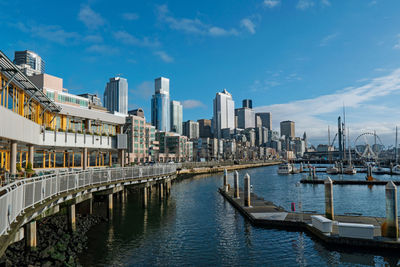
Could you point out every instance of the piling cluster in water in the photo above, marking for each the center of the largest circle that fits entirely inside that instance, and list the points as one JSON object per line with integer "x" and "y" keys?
{"x": 57, "y": 245}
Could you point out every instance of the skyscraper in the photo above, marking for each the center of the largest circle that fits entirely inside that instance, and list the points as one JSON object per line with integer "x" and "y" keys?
{"x": 191, "y": 129}
{"x": 205, "y": 128}
{"x": 266, "y": 120}
{"x": 116, "y": 95}
{"x": 287, "y": 129}
{"x": 245, "y": 118}
{"x": 176, "y": 117}
{"x": 247, "y": 103}
{"x": 160, "y": 105}
{"x": 29, "y": 62}
{"x": 224, "y": 112}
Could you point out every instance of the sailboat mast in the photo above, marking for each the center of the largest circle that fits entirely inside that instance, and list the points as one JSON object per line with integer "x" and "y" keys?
{"x": 329, "y": 144}
{"x": 395, "y": 149}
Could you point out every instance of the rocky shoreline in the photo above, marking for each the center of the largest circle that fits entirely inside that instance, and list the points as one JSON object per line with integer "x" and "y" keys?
{"x": 56, "y": 244}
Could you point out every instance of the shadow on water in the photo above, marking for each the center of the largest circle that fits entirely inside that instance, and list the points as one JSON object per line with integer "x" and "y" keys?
{"x": 196, "y": 226}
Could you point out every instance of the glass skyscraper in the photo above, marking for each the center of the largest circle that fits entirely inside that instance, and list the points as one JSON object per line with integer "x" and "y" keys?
{"x": 224, "y": 113}
{"x": 176, "y": 117}
{"x": 160, "y": 105}
{"x": 116, "y": 95}
{"x": 29, "y": 62}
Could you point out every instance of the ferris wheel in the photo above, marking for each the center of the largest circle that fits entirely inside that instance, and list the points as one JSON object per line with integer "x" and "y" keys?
{"x": 368, "y": 145}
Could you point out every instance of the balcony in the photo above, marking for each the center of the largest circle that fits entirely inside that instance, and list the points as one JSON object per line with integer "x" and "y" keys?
{"x": 66, "y": 139}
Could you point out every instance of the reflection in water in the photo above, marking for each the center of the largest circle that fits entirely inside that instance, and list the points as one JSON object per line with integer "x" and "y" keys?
{"x": 196, "y": 226}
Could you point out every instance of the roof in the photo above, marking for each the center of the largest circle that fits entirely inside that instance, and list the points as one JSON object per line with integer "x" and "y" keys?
{"x": 13, "y": 73}
{"x": 92, "y": 114}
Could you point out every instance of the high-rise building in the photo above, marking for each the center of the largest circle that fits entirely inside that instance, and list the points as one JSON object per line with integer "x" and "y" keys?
{"x": 205, "y": 128}
{"x": 160, "y": 105}
{"x": 266, "y": 120}
{"x": 287, "y": 129}
{"x": 176, "y": 116}
{"x": 191, "y": 129}
{"x": 29, "y": 62}
{"x": 245, "y": 118}
{"x": 116, "y": 95}
{"x": 247, "y": 103}
{"x": 224, "y": 112}
{"x": 93, "y": 98}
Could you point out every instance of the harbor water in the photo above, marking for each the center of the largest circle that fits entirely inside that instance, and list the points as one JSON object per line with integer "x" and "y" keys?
{"x": 195, "y": 226}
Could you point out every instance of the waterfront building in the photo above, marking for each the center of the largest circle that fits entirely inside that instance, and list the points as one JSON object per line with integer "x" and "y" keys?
{"x": 43, "y": 125}
{"x": 174, "y": 147}
{"x": 94, "y": 99}
{"x": 287, "y": 129}
{"x": 205, "y": 128}
{"x": 266, "y": 120}
{"x": 245, "y": 118}
{"x": 224, "y": 112}
{"x": 29, "y": 62}
{"x": 247, "y": 103}
{"x": 191, "y": 129}
{"x": 160, "y": 105}
{"x": 142, "y": 146}
{"x": 116, "y": 95}
{"x": 176, "y": 116}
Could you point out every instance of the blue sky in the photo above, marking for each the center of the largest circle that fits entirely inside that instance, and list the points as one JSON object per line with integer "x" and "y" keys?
{"x": 300, "y": 59}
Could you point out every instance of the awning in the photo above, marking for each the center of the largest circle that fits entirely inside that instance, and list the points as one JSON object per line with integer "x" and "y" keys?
{"x": 16, "y": 76}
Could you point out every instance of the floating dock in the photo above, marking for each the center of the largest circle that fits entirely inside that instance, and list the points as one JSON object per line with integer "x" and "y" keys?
{"x": 266, "y": 214}
{"x": 348, "y": 182}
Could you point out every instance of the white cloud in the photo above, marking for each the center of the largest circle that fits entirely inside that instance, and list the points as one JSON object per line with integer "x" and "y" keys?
{"x": 53, "y": 33}
{"x": 90, "y": 18}
{"x": 130, "y": 16}
{"x": 191, "y": 26}
{"x": 315, "y": 114}
{"x": 164, "y": 56}
{"x": 397, "y": 45}
{"x": 191, "y": 103}
{"x": 94, "y": 38}
{"x": 129, "y": 39}
{"x": 248, "y": 25}
{"x": 327, "y": 39}
{"x": 304, "y": 4}
{"x": 325, "y": 2}
{"x": 271, "y": 3}
{"x": 102, "y": 49}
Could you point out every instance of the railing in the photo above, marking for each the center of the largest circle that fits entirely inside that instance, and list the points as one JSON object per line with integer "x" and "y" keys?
{"x": 20, "y": 195}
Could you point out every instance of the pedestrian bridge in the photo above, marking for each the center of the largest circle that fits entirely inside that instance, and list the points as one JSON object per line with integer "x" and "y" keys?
{"x": 24, "y": 200}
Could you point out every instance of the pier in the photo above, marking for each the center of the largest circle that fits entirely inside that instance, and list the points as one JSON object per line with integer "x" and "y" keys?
{"x": 264, "y": 213}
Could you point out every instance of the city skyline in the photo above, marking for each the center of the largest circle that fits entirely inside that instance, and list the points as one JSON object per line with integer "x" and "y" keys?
{"x": 300, "y": 81}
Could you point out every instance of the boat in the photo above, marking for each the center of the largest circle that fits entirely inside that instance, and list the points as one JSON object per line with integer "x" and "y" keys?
{"x": 285, "y": 168}
{"x": 332, "y": 170}
{"x": 396, "y": 170}
{"x": 295, "y": 170}
{"x": 349, "y": 170}
{"x": 379, "y": 170}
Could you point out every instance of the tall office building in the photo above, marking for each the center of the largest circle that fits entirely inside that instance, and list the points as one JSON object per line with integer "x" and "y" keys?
{"x": 176, "y": 116}
{"x": 191, "y": 129}
{"x": 287, "y": 129}
{"x": 29, "y": 62}
{"x": 245, "y": 118}
{"x": 205, "y": 128}
{"x": 116, "y": 95}
{"x": 160, "y": 105}
{"x": 247, "y": 103}
{"x": 224, "y": 112}
{"x": 266, "y": 120}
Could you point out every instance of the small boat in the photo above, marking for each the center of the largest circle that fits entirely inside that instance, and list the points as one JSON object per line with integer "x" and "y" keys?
{"x": 285, "y": 168}
{"x": 294, "y": 169}
{"x": 349, "y": 170}
{"x": 396, "y": 170}
{"x": 379, "y": 170}
{"x": 332, "y": 170}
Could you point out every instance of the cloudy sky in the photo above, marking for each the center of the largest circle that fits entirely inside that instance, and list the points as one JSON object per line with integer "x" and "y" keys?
{"x": 302, "y": 60}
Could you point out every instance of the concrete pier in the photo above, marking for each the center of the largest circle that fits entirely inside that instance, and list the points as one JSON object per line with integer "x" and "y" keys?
{"x": 236, "y": 184}
{"x": 391, "y": 226}
{"x": 30, "y": 235}
{"x": 329, "y": 199}
{"x": 161, "y": 191}
{"x": 91, "y": 205}
{"x": 144, "y": 196}
{"x": 226, "y": 180}
{"x": 71, "y": 218}
{"x": 247, "y": 202}
{"x": 110, "y": 206}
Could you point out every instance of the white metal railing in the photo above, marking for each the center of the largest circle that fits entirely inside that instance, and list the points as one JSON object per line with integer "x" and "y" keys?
{"x": 20, "y": 195}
